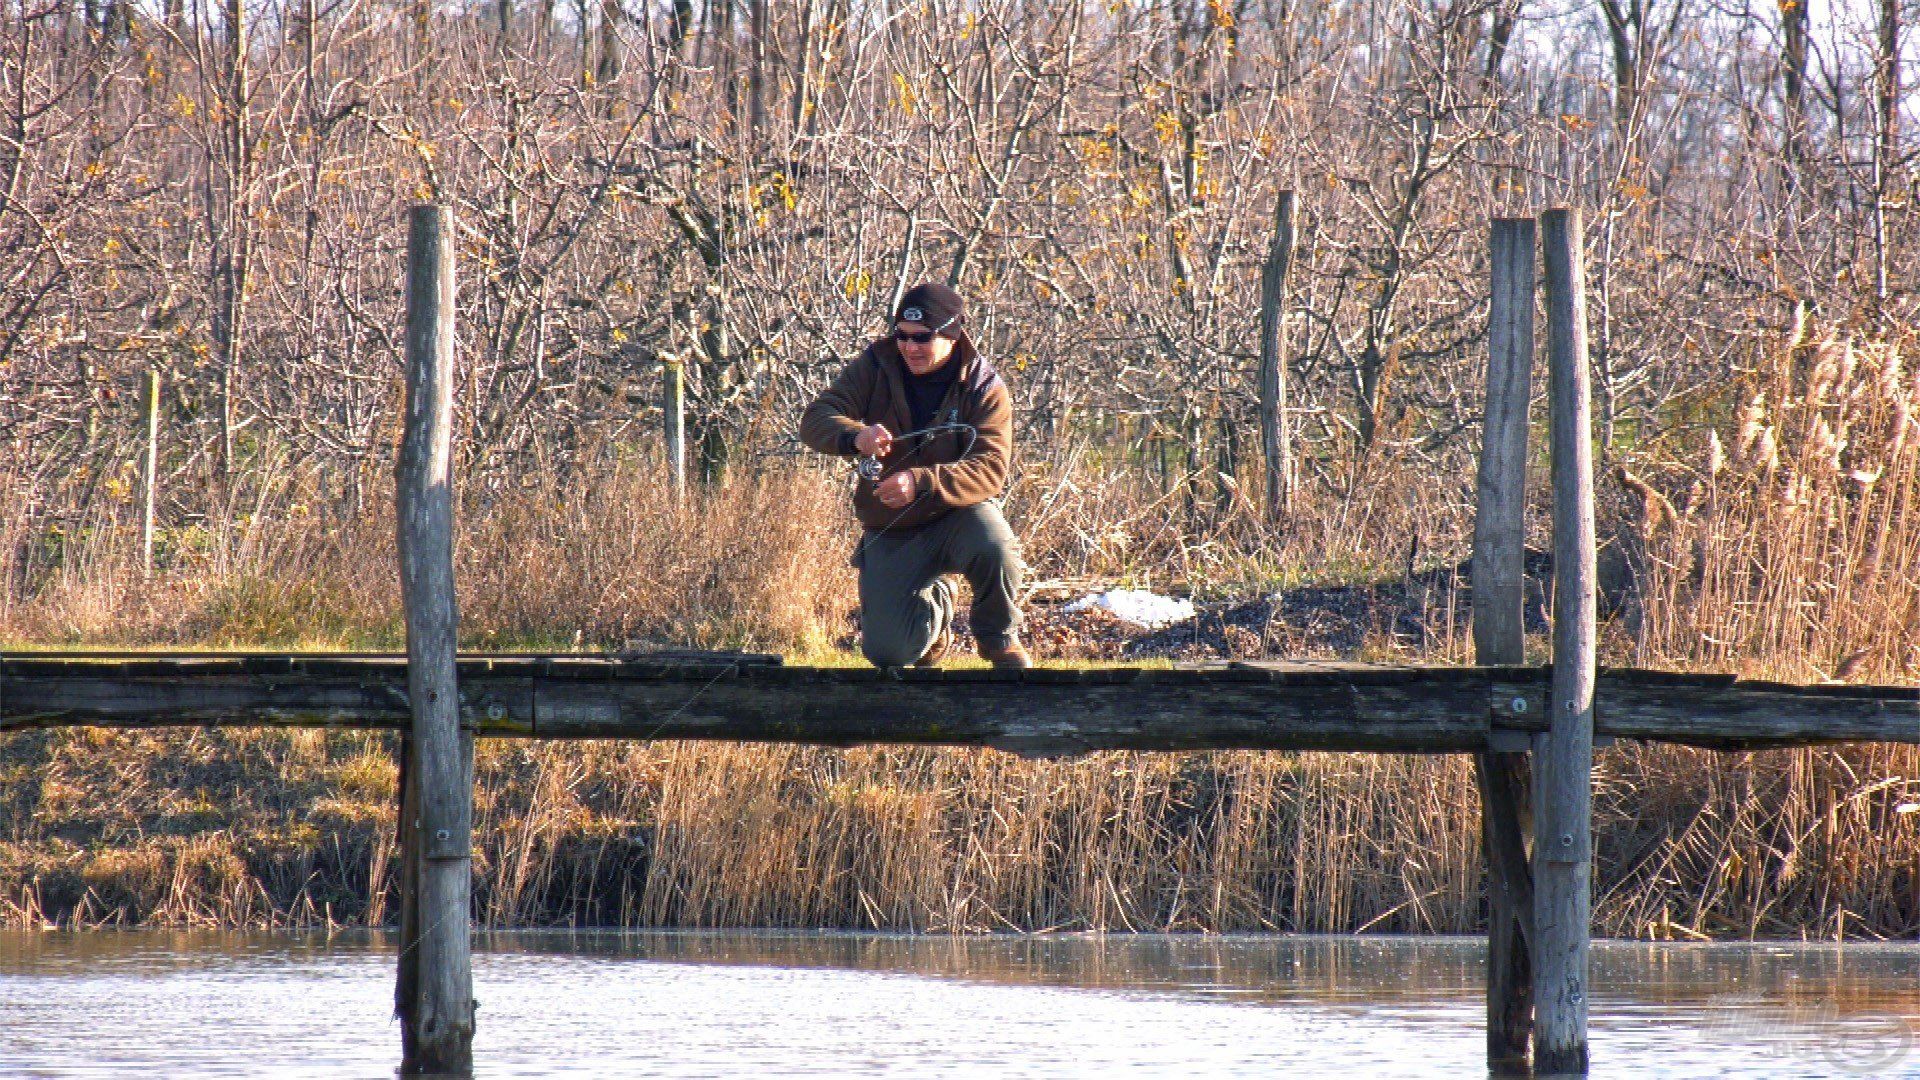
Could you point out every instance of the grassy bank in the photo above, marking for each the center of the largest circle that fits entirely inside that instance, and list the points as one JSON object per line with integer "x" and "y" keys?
{"x": 1781, "y": 541}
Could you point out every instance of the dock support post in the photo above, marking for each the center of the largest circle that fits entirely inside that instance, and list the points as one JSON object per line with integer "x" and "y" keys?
{"x": 1563, "y": 799}
{"x": 434, "y": 991}
{"x": 1499, "y": 638}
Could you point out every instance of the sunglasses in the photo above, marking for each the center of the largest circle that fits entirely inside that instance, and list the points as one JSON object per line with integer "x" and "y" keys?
{"x": 921, "y": 338}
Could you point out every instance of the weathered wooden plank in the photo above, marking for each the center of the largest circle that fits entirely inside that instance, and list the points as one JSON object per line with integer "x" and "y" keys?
{"x": 1673, "y": 678}
{"x": 1563, "y": 757}
{"x": 434, "y": 994}
{"x": 1319, "y": 672}
{"x": 1723, "y": 714}
{"x": 1499, "y": 534}
{"x": 183, "y": 665}
{"x": 714, "y": 656}
{"x": 1140, "y": 709}
{"x": 499, "y": 706}
{"x": 1842, "y": 691}
{"x": 1504, "y": 778}
{"x": 142, "y": 700}
{"x": 1440, "y": 715}
{"x": 1720, "y": 713}
{"x": 161, "y": 662}
{"x": 1751, "y": 715}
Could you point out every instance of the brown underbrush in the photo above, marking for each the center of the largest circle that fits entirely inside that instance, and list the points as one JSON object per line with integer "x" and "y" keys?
{"x": 1773, "y": 534}
{"x": 261, "y": 828}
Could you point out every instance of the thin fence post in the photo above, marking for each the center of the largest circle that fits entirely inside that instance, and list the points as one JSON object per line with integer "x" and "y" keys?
{"x": 1276, "y": 442}
{"x": 673, "y": 404}
{"x": 150, "y": 400}
{"x": 1499, "y": 639}
{"x": 434, "y": 990}
{"x": 1563, "y": 799}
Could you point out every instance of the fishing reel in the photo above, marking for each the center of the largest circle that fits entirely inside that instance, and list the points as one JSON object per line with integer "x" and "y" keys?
{"x": 870, "y": 469}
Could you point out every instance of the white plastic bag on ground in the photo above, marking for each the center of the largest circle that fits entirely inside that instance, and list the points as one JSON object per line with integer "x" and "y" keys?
{"x": 1148, "y": 609}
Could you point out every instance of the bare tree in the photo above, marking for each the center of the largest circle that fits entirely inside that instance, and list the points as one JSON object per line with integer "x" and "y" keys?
{"x": 745, "y": 185}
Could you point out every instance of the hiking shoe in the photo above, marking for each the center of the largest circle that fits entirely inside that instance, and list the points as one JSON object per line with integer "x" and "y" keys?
{"x": 1009, "y": 656}
{"x": 937, "y": 651}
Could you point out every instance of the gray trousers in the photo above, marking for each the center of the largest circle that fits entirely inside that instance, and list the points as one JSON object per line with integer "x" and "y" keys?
{"x": 906, "y": 602}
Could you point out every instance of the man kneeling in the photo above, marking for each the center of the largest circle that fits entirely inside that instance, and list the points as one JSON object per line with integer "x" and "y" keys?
{"x": 934, "y": 424}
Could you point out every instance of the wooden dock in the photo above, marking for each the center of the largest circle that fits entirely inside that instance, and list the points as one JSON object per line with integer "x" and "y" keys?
{"x": 1532, "y": 729}
{"x": 1044, "y": 712}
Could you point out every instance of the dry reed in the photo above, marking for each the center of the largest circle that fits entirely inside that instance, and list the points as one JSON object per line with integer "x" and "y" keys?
{"x": 1783, "y": 541}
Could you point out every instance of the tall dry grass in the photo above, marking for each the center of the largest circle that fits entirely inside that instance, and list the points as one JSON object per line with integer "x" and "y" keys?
{"x": 1102, "y": 504}
{"x": 1779, "y": 540}
{"x": 1789, "y": 545}
{"x": 1793, "y": 550}
{"x": 602, "y": 559}
{"x": 945, "y": 840}
{"x": 273, "y": 828}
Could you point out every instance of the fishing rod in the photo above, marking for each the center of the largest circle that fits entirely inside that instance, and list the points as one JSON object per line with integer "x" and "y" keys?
{"x": 869, "y": 466}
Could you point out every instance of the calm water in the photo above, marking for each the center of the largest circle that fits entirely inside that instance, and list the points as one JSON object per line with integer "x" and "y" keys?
{"x": 164, "y": 1004}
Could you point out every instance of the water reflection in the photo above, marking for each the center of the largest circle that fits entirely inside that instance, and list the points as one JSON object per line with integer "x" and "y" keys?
{"x": 1254, "y": 968}
{"x": 730, "y": 1003}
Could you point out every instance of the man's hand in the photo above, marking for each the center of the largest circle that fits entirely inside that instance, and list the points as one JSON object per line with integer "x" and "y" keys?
{"x": 874, "y": 440}
{"x": 896, "y": 491}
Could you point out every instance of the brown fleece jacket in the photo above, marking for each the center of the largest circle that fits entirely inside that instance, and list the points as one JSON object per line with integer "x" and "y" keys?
{"x": 947, "y": 473}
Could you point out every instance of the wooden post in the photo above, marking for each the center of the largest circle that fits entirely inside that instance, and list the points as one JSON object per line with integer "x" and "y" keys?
{"x": 434, "y": 992}
{"x": 151, "y": 402}
{"x": 1563, "y": 799}
{"x": 1499, "y": 638}
{"x": 1276, "y": 442}
{"x": 673, "y": 403}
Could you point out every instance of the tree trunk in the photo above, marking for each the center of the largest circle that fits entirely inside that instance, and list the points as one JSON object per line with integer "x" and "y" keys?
{"x": 681, "y": 25}
{"x": 609, "y": 66}
{"x": 757, "y": 70}
{"x": 1505, "y": 18}
{"x": 232, "y": 253}
{"x": 1623, "y": 31}
{"x": 1276, "y": 441}
{"x": 1793, "y": 75}
{"x": 1886, "y": 141}
{"x": 803, "y": 74}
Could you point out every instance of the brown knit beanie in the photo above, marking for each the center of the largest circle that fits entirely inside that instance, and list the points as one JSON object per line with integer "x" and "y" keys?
{"x": 934, "y": 306}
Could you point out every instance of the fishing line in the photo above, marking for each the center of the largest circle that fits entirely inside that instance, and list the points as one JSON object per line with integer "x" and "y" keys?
{"x": 870, "y": 468}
